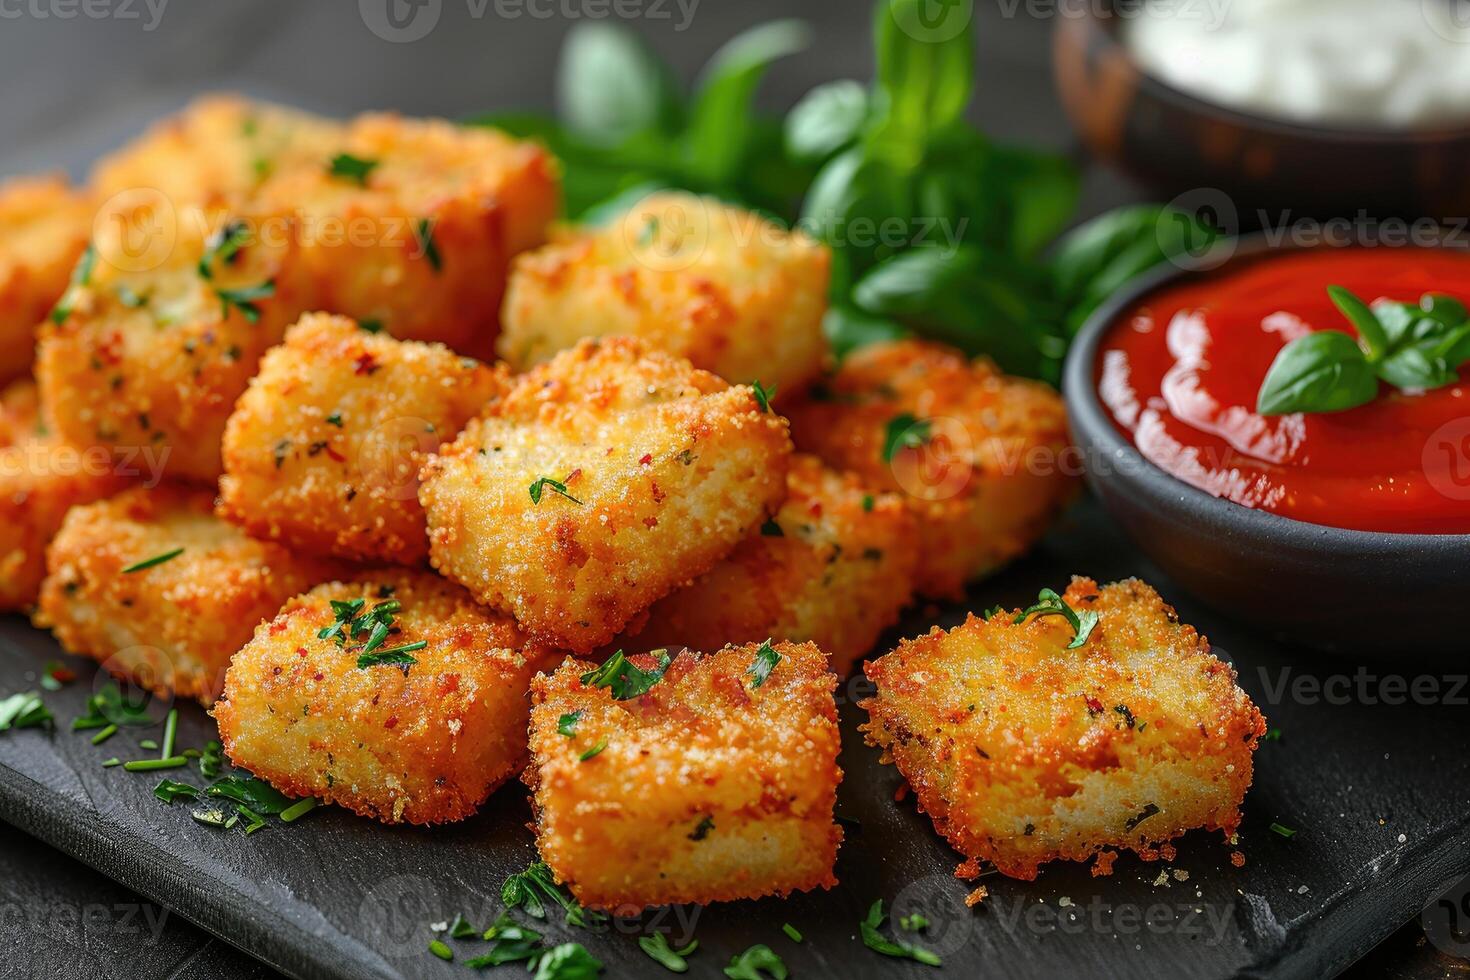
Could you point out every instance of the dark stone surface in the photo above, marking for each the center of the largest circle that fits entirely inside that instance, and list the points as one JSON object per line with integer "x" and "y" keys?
{"x": 337, "y": 896}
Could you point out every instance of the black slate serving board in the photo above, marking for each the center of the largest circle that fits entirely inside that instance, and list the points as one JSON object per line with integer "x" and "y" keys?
{"x": 1378, "y": 792}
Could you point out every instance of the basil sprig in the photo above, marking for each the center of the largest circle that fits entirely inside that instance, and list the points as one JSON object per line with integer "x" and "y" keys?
{"x": 1411, "y": 347}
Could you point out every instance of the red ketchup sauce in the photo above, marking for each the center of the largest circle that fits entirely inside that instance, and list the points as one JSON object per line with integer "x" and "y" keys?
{"x": 1180, "y": 373}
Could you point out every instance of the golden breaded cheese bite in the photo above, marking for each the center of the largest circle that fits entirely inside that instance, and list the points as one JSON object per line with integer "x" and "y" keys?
{"x": 1025, "y": 750}
{"x": 44, "y": 226}
{"x": 324, "y": 449}
{"x": 430, "y": 215}
{"x": 155, "y": 587}
{"x": 835, "y": 566}
{"x": 41, "y": 478}
{"x": 138, "y": 355}
{"x": 733, "y": 292}
{"x": 980, "y": 456}
{"x": 419, "y": 728}
{"x": 217, "y": 152}
{"x": 600, "y": 482}
{"x": 701, "y": 777}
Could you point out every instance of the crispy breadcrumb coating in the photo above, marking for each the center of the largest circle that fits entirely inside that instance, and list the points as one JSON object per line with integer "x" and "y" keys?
{"x": 835, "y": 566}
{"x": 599, "y": 483}
{"x": 1023, "y": 751}
{"x": 418, "y": 743}
{"x": 41, "y": 478}
{"x": 323, "y": 450}
{"x": 709, "y": 787}
{"x": 171, "y": 627}
{"x": 985, "y": 465}
{"x": 731, "y": 291}
{"x": 44, "y": 226}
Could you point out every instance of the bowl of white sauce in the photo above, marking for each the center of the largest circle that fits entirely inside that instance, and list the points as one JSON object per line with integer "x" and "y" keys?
{"x": 1278, "y": 108}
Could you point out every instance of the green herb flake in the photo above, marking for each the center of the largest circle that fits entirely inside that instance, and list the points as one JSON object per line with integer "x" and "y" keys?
{"x": 370, "y": 326}
{"x": 1272, "y": 735}
{"x": 245, "y": 299}
{"x": 514, "y": 943}
{"x": 868, "y": 502}
{"x": 568, "y": 961}
{"x": 170, "y": 790}
{"x": 299, "y": 809}
{"x": 875, "y": 940}
{"x": 153, "y": 562}
{"x": 223, "y": 248}
{"x": 396, "y": 656}
{"x": 567, "y": 723}
{"x": 110, "y": 763}
{"x": 81, "y": 277}
{"x": 350, "y": 168}
{"x": 624, "y": 679}
{"x": 150, "y": 744}
{"x": 423, "y": 233}
{"x": 335, "y": 419}
{"x": 442, "y": 951}
{"x": 170, "y": 733}
{"x": 542, "y": 484}
{"x": 153, "y": 765}
{"x": 1048, "y": 603}
{"x": 701, "y": 830}
{"x": 1283, "y": 830}
{"x": 913, "y": 923}
{"x": 25, "y": 710}
{"x": 460, "y": 928}
{"x": 759, "y": 962}
{"x": 595, "y": 751}
{"x": 763, "y": 395}
{"x": 531, "y": 889}
{"x": 792, "y": 933}
{"x": 766, "y": 659}
{"x": 904, "y": 432}
{"x": 658, "y": 949}
{"x": 770, "y": 529}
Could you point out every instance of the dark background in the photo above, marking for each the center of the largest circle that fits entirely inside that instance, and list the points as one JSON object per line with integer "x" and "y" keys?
{"x": 77, "y": 86}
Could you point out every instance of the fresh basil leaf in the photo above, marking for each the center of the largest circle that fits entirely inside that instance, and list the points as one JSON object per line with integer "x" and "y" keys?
{"x": 1325, "y": 371}
{"x": 848, "y": 328}
{"x": 1403, "y": 322}
{"x": 1454, "y": 347}
{"x": 720, "y": 119}
{"x": 1370, "y": 331}
{"x": 1412, "y": 368}
{"x": 1041, "y": 191}
{"x": 850, "y": 193}
{"x": 925, "y": 80}
{"x": 1446, "y": 309}
{"x": 611, "y": 86}
{"x": 826, "y": 120}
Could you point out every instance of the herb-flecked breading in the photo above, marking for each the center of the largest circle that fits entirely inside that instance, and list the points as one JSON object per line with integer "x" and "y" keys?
{"x": 324, "y": 448}
{"x": 707, "y": 788}
{"x": 1024, "y": 751}
{"x": 417, "y": 742}
{"x": 664, "y": 470}
{"x": 172, "y": 626}
{"x": 980, "y": 457}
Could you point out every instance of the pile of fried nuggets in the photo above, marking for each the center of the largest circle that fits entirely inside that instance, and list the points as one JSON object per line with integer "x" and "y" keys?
{"x": 624, "y": 480}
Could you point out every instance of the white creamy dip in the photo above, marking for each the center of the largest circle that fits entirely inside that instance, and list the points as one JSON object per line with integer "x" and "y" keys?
{"x": 1364, "y": 63}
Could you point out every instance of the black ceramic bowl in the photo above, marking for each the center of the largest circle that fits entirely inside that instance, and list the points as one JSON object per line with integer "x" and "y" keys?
{"x": 1179, "y": 143}
{"x": 1374, "y": 594}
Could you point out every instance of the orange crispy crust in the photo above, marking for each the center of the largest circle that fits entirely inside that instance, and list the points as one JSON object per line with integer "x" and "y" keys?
{"x": 670, "y": 468}
{"x": 837, "y": 574}
{"x": 707, "y": 790}
{"x": 998, "y": 728}
{"x": 40, "y": 480}
{"x": 44, "y": 226}
{"x": 424, "y": 746}
{"x": 171, "y": 628}
{"x": 989, "y": 481}
{"x": 324, "y": 448}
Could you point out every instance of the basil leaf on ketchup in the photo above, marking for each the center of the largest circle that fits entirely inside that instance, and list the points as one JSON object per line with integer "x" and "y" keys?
{"x": 1325, "y": 371}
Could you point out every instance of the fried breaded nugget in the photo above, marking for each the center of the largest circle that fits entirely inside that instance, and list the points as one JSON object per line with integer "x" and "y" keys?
{"x": 717, "y": 784}
{"x": 418, "y": 232}
{"x": 835, "y": 567}
{"x": 323, "y": 451}
{"x": 41, "y": 478}
{"x": 598, "y": 484}
{"x": 729, "y": 290}
{"x": 44, "y": 226}
{"x": 980, "y": 457}
{"x": 1024, "y": 751}
{"x": 170, "y": 627}
{"x": 217, "y": 152}
{"x": 421, "y": 742}
{"x": 155, "y": 357}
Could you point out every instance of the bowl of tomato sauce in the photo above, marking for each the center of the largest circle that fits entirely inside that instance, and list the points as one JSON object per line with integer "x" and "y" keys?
{"x": 1346, "y": 529}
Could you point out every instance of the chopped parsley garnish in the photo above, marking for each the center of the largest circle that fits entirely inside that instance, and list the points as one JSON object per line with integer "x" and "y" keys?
{"x": 625, "y": 680}
{"x": 868, "y": 502}
{"x": 370, "y": 326}
{"x": 763, "y": 395}
{"x": 766, "y": 659}
{"x": 533, "y": 888}
{"x": 423, "y": 232}
{"x": 658, "y": 949}
{"x": 153, "y": 562}
{"x": 248, "y": 791}
{"x": 1272, "y": 735}
{"x": 81, "y": 277}
{"x": 904, "y": 432}
{"x": 335, "y": 419}
{"x": 460, "y": 928}
{"x": 875, "y": 940}
{"x": 771, "y": 529}
{"x": 24, "y": 710}
{"x": 211, "y": 759}
{"x": 109, "y": 707}
{"x": 913, "y": 923}
{"x": 791, "y": 931}
{"x": 759, "y": 962}
{"x": 349, "y": 167}
{"x": 168, "y": 791}
{"x": 514, "y": 943}
{"x": 569, "y": 961}
{"x": 995, "y": 610}
{"x": 373, "y": 626}
{"x": 244, "y": 299}
{"x": 596, "y": 750}
{"x": 440, "y": 950}
{"x": 567, "y": 723}
{"x": 223, "y": 247}
{"x": 1283, "y": 830}
{"x": 702, "y": 829}
{"x": 130, "y": 298}
{"x": 547, "y": 483}
{"x": 1048, "y": 603}
{"x": 396, "y": 655}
